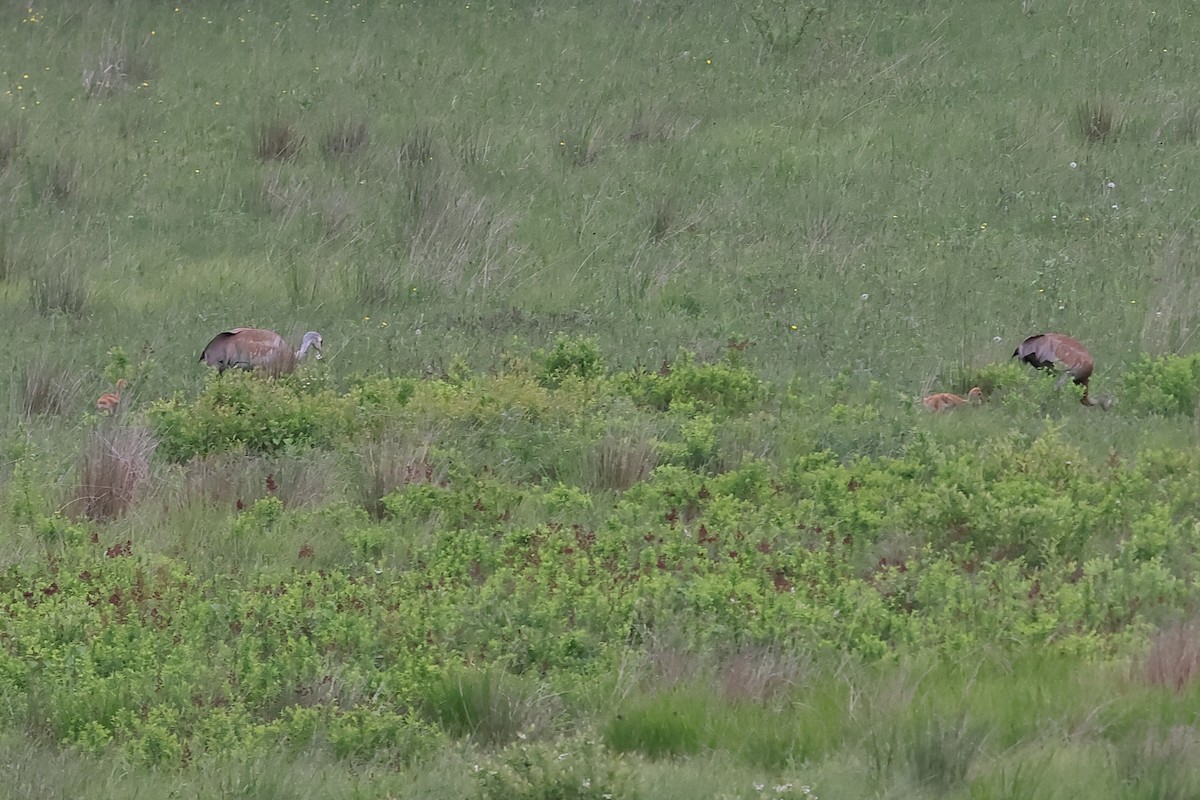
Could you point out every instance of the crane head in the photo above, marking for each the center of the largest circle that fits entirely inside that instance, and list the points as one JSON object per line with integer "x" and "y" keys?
{"x": 313, "y": 340}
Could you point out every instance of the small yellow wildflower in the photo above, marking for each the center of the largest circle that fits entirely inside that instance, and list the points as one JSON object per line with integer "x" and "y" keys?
{"x": 793, "y": 327}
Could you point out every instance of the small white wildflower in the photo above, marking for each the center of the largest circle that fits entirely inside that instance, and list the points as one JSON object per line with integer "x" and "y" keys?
{"x": 758, "y": 787}
{"x": 864, "y": 296}
{"x": 1115, "y": 206}
{"x": 806, "y": 789}
{"x": 996, "y": 340}
{"x": 1054, "y": 216}
{"x": 1062, "y": 308}
{"x": 783, "y": 787}
{"x": 1073, "y": 165}
{"x": 417, "y": 332}
{"x": 1111, "y": 185}
{"x": 587, "y": 783}
{"x": 476, "y": 768}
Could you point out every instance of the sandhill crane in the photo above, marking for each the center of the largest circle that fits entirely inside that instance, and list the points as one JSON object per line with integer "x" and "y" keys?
{"x": 1057, "y": 351}
{"x": 255, "y": 348}
{"x": 947, "y": 401}
{"x": 109, "y": 402}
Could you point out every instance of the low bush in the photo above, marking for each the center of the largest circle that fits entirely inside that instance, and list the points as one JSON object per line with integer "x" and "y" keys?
{"x": 1167, "y": 384}
{"x": 723, "y": 387}
{"x": 242, "y": 411}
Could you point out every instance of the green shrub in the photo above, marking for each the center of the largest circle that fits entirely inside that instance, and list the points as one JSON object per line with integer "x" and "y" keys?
{"x": 570, "y": 357}
{"x": 241, "y": 411}
{"x": 723, "y": 386}
{"x": 380, "y": 734}
{"x": 1168, "y": 384}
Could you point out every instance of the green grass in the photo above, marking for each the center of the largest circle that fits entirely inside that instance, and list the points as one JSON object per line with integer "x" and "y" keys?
{"x": 613, "y": 477}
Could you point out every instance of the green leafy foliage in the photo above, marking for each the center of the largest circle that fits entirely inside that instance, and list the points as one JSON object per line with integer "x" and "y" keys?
{"x": 723, "y": 387}
{"x": 241, "y": 411}
{"x": 570, "y": 357}
{"x": 1167, "y": 384}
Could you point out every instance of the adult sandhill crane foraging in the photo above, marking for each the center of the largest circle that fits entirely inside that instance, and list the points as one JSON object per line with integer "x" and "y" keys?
{"x": 256, "y": 348}
{"x": 948, "y": 401}
{"x": 109, "y": 402}
{"x": 1057, "y": 351}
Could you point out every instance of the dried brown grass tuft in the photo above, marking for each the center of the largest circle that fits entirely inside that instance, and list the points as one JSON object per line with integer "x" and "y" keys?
{"x": 652, "y": 124}
{"x": 392, "y": 462}
{"x": 663, "y": 218}
{"x": 59, "y": 291}
{"x": 758, "y": 675}
{"x": 9, "y": 259}
{"x": 1097, "y": 120}
{"x": 49, "y": 388}
{"x": 223, "y": 480}
{"x": 113, "y": 471}
{"x": 473, "y": 146}
{"x": 346, "y": 139}
{"x": 417, "y": 150}
{"x": 1174, "y": 657}
{"x": 583, "y": 146}
{"x": 61, "y": 181}
{"x": 337, "y": 213}
{"x": 620, "y": 460}
{"x": 284, "y": 197}
{"x": 278, "y": 141}
{"x": 453, "y": 235}
{"x": 1172, "y": 315}
{"x": 10, "y": 143}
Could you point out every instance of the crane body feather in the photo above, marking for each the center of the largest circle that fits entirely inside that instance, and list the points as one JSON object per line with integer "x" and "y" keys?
{"x": 257, "y": 348}
{"x": 1057, "y": 351}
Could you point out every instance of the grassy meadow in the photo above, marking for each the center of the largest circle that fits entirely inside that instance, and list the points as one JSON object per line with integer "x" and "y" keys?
{"x": 613, "y": 480}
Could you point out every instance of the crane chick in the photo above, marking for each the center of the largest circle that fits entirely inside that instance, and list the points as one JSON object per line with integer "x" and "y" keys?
{"x": 1059, "y": 352}
{"x": 109, "y": 402}
{"x": 256, "y": 348}
{"x": 948, "y": 401}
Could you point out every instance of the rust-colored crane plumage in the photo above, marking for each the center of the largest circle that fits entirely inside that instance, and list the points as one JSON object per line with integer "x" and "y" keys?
{"x": 256, "y": 348}
{"x": 948, "y": 401}
{"x": 109, "y": 402}
{"x": 1059, "y": 352}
